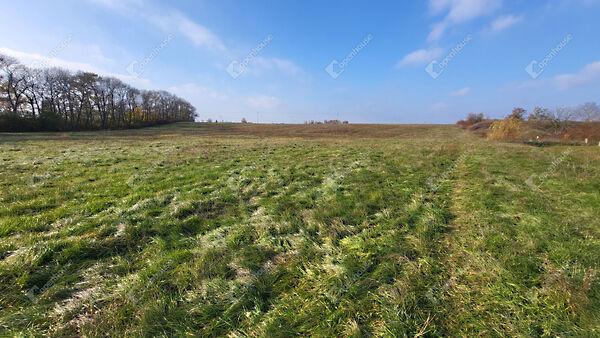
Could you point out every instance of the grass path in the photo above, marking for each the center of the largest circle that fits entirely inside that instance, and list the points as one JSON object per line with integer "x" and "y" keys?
{"x": 524, "y": 260}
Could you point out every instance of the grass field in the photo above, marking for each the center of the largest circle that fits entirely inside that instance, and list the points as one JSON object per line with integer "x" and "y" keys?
{"x": 274, "y": 230}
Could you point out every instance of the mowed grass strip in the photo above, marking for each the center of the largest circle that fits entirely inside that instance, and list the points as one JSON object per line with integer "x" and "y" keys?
{"x": 295, "y": 230}
{"x": 524, "y": 257}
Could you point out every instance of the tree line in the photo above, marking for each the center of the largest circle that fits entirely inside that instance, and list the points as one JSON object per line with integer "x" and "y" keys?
{"x": 33, "y": 99}
{"x": 561, "y": 125}
{"x": 557, "y": 118}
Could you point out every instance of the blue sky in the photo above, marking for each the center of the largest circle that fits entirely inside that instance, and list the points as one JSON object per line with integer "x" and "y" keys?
{"x": 282, "y": 54}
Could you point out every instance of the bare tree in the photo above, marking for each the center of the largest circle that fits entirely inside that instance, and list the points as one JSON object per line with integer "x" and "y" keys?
{"x": 14, "y": 76}
{"x": 83, "y": 100}
{"x": 518, "y": 114}
{"x": 588, "y": 112}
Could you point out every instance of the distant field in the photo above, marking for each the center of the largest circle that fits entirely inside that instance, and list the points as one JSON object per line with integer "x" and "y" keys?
{"x": 278, "y": 230}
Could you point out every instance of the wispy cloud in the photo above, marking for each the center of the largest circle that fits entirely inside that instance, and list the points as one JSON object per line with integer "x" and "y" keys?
{"x": 420, "y": 56}
{"x": 263, "y": 102}
{"x": 198, "y": 91}
{"x": 97, "y": 55}
{"x": 503, "y": 22}
{"x": 168, "y": 20}
{"x": 437, "y": 106}
{"x": 197, "y": 33}
{"x": 172, "y": 21}
{"x": 261, "y": 64}
{"x": 122, "y": 6}
{"x": 437, "y": 30}
{"x": 436, "y": 7}
{"x": 457, "y": 12}
{"x": 589, "y": 74}
{"x": 212, "y": 102}
{"x": 36, "y": 59}
{"x": 461, "y": 92}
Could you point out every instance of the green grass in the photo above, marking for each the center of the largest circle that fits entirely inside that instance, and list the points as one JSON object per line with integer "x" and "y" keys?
{"x": 215, "y": 230}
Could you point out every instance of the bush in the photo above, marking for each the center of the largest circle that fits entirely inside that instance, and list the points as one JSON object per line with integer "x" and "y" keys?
{"x": 545, "y": 120}
{"x": 12, "y": 123}
{"x": 518, "y": 114}
{"x": 506, "y": 130}
{"x": 50, "y": 120}
{"x": 541, "y": 114}
{"x": 472, "y": 119}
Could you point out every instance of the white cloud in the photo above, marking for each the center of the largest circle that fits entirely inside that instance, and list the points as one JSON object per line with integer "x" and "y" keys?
{"x": 263, "y": 102}
{"x": 41, "y": 61}
{"x": 198, "y": 34}
{"x": 118, "y": 3}
{"x": 590, "y": 73}
{"x": 439, "y": 106}
{"x": 213, "y": 103}
{"x": 504, "y": 22}
{"x": 437, "y": 30}
{"x": 420, "y": 56}
{"x": 466, "y": 10}
{"x": 564, "y": 3}
{"x": 438, "y": 6}
{"x": 193, "y": 89}
{"x": 97, "y": 55}
{"x": 457, "y": 12}
{"x": 461, "y": 92}
{"x": 121, "y": 6}
{"x": 260, "y": 64}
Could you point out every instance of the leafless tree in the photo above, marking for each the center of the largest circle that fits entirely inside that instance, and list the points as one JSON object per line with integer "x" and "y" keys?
{"x": 588, "y": 112}
{"x": 14, "y": 78}
{"x": 83, "y": 100}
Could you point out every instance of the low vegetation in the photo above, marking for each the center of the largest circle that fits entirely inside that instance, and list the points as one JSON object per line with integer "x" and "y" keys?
{"x": 510, "y": 128}
{"x": 275, "y": 230}
{"x": 578, "y": 125}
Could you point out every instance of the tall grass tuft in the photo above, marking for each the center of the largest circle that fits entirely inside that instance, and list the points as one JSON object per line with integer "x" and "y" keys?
{"x": 506, "y": 130}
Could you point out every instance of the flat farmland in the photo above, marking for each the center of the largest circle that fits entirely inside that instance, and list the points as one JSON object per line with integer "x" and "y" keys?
{"x": 286, "y": 230}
